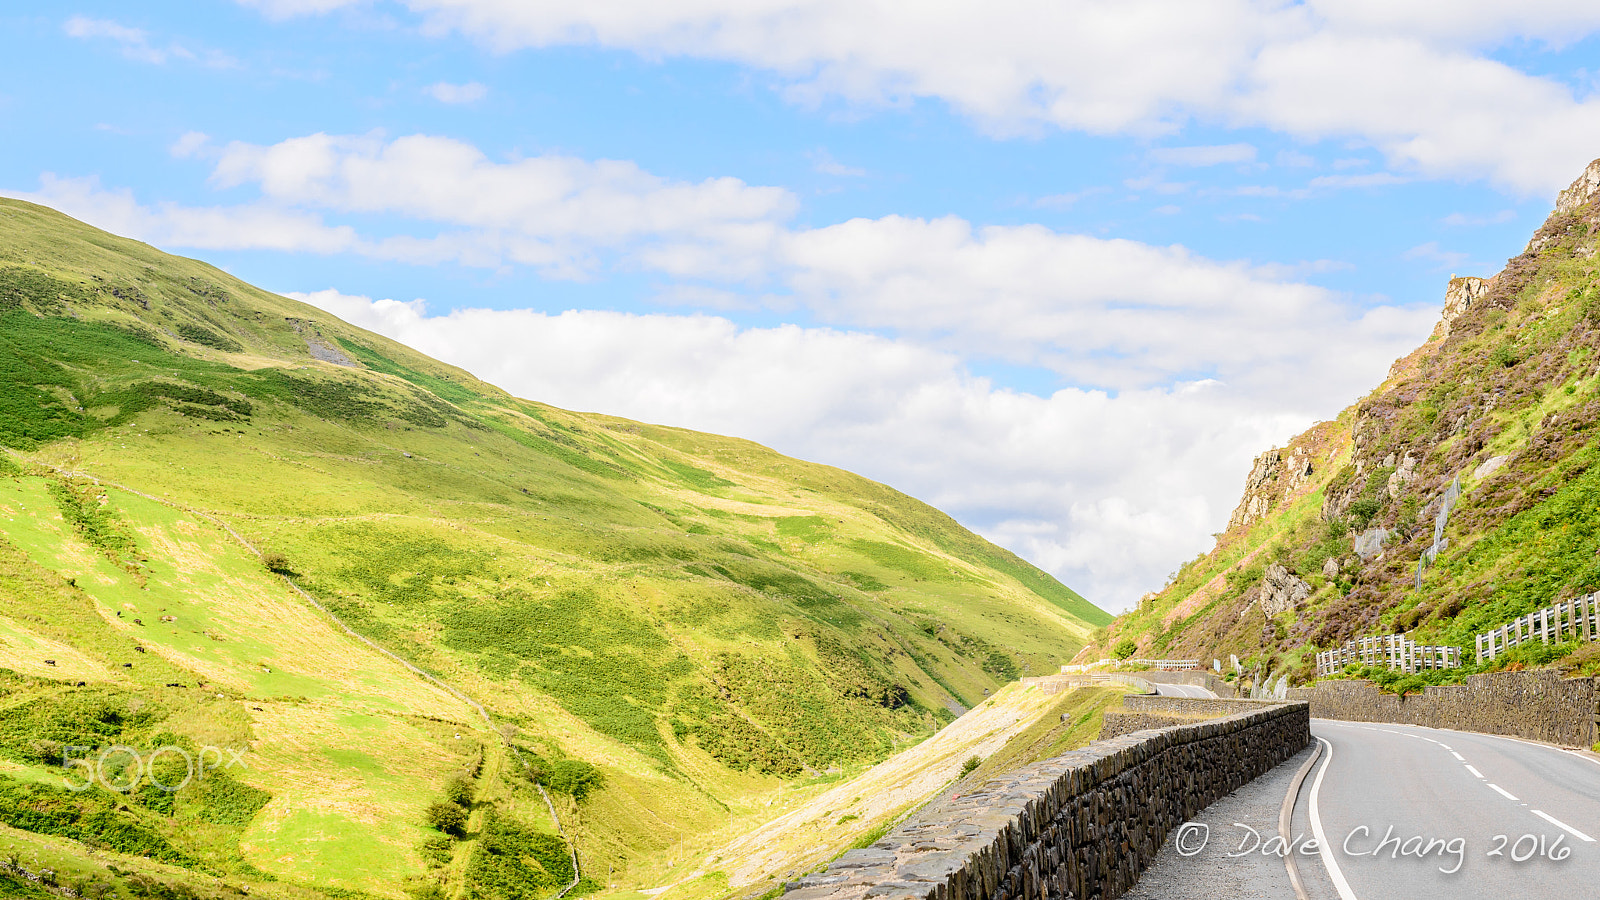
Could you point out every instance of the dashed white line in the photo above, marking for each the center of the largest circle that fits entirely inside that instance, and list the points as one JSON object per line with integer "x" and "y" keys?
{"x": 1502, "y": 791}
{"x": 1458, "y": 756}
{"x": 1562, "y": 825}
{"x": 1474, "y": 771}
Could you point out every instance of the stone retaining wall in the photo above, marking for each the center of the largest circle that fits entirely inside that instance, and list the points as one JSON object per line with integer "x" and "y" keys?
{"x": 1539, "y": 705}
{"x": 1083, "y": 825}
{"x": 1116, "y": 723}
{"x": 1139, "y": 712}
{"x": 1192, "y": 706}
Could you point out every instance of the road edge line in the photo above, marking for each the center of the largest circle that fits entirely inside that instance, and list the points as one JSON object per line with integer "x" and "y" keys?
{"x": 1285, "y": 824}
{"x": 1323, "y": 850}
{"x": 1562, "y": 825}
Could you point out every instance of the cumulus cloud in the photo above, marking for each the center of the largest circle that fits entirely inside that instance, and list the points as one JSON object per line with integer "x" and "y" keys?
{"x": 549, "y": 211}
{"x": 1175, "y": 368}
{"x": 1411, "y": 79}
{"x": 174, "y": 225}
{"x": 1106, "y": 491}
{"x": 1108, "y": 313}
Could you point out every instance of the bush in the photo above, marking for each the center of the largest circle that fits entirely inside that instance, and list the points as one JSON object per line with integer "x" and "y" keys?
{"x": 575, "y": 777}
{"x": 460, "y": 790}
{"x": 277, "y": 562}
{"x": 1124, "y": 649}
{"x": 448, "y": 817}
{"x": 972, "y": 763}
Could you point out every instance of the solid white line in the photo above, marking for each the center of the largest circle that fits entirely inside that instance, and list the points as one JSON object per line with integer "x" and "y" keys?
{"x": 1560, "y": 824}
{"x": 1474, "y": 771}
{"x": 1503, "y": 792}
{"x": 1323, "y": 850}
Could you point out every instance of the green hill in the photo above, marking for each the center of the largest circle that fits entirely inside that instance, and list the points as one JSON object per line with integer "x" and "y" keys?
{"x": 1503, "y": 396}
{"x": 677, "y": 635}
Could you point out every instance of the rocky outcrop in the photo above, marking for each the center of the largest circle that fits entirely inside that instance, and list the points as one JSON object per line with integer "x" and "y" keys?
{"x": 1369, "y": 543}
{"x": 1402, "y": 475}
{"x": 1282, "y": 591}
{"x": 1460, "y": 296}
{"x": 1273, "y": 478}
{"x": 1580, "y": 191}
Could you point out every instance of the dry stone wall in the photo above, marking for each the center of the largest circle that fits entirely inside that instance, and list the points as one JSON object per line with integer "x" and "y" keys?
{"x": 1081, "y": 826}
{"x": 1148, "y": 711}
{"x": 1540, "y": 706}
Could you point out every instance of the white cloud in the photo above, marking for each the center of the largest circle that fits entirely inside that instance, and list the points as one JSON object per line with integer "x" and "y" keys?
{"x": 172, "y": 225}
{"x": 1105, "y": 491}
{"x": 1204, "y": 156}
{"x": 549, "y": 211}
{"x": 1113, "y": 313}
{"x": 445, "y": 92}
{"x": 823, "y": 162}
{"x": 136, "y": 44}
{"x": 1408, "y": 78}
{"x": 188, "y": 145}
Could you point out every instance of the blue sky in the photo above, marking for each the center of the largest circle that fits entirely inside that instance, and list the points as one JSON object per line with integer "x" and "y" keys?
{"x": 1061, "y": 269}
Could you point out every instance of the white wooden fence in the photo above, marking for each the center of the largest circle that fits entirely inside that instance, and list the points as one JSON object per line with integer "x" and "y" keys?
{"x": 1161, "y": 665}
{"x": 1390, "y": 651}
{"x": 1578, "y": 617}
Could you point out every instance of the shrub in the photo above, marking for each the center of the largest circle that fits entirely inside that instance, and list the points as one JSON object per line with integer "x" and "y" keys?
{"x": 460, "y": 790}
{"x": 276, "y": 562}
{"x": 448, "y": 817}
{"x": 1124, "y": 648}
{"x": 575, "y": 777}
{"x": 972, "y": 763}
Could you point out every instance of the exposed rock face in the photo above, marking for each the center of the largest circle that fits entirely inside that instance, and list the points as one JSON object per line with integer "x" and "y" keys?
{"x": 1459, "y": 297}
{"x": 1369, "y": 543}
{"x": 1402, "y": 475}
{"x": 1489, "y": 467}
{"x": 1272, "y": 478}
{"x": 1282, "y": 590}
{"x": 1330, "y": 569}
{"x": 1580, "y": 191}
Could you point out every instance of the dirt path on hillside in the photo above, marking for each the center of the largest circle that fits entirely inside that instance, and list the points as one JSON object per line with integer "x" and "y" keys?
{"x": 827, "y": 824}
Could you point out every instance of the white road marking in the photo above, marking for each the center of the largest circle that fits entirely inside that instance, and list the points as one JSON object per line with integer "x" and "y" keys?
{"x": 1458, "y": 756}
{"x": 1474, "y": 771}
{"x": 1323, "y": 848}
{"x": 1564, "y": 826}
{"x": 1503, "y": 792}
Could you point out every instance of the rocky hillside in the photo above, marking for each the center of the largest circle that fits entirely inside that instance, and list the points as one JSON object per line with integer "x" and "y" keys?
{"x": 676, "y": 636}
{"x": 1334, "y": 528}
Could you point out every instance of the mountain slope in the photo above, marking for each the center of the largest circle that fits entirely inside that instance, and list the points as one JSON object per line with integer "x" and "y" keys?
{"x": 670, "y": 626}
{"x": 1326, "y": 543}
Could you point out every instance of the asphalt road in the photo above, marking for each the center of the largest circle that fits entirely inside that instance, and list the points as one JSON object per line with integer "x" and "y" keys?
{"x": 1182, "y": 690}
{"x": 1403, "y": 811}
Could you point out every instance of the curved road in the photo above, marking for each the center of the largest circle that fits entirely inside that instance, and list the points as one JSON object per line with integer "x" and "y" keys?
{"x": 1182, "y": 690}
{"x": 1405, "y": 811}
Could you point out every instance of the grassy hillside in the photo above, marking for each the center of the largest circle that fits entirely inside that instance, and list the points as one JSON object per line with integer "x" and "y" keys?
{"x": 672, "y": 633}
{"x": 1505, "y": 397}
